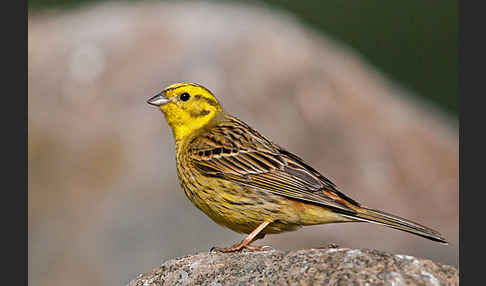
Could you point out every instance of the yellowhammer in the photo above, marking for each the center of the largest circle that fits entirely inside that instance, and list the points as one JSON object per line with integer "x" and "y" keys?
{"x": 245, "y": 182}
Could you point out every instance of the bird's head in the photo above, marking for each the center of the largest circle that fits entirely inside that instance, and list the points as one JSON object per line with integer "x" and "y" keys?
{"x": 187, "y": 107}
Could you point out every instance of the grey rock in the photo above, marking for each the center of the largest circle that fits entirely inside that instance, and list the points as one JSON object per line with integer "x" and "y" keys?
{"x": 334, "y": 266}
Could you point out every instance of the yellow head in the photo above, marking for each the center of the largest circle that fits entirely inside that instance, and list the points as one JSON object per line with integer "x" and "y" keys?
{"x": 187, "y": 107}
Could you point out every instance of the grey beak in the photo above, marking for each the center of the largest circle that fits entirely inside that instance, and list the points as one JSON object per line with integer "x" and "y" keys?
{"x": 158, "y": 100}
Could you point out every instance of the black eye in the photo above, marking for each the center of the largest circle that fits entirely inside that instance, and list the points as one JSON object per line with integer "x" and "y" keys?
{"x": 185, "y": 96}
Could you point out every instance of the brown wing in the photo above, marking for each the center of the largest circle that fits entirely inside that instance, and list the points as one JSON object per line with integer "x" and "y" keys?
{"x": 234, "y": 151}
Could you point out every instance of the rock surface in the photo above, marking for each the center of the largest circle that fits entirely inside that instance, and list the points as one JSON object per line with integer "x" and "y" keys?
{"x": 335, "y": 266}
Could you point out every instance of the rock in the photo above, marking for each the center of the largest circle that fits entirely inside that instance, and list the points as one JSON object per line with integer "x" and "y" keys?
{"x": 337, "y": 266}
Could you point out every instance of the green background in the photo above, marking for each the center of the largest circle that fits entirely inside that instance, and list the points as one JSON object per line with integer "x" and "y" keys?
{"x": 414, "y": 42}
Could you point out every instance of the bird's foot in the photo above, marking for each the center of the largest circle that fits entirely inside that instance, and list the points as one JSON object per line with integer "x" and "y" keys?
{"x": 239, "y": 247}
{"x": 258, "y": 248}
{"x": 329, "y": 246}
{"x": 245, "y": 243}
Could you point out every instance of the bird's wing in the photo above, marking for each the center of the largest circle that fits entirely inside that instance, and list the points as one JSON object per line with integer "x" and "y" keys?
{"x": 233, "y": 151}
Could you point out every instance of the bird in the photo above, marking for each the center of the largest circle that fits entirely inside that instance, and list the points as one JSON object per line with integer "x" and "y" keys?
{"x": 249, "y": 184}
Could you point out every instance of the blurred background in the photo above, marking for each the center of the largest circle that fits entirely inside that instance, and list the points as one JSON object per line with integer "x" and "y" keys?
{"x": 364, "y": 91}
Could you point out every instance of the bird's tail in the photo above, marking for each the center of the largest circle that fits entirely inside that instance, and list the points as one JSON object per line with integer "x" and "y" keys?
{"x": 389, "y": 220}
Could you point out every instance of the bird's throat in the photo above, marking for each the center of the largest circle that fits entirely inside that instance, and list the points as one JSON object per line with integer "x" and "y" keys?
{"x": 185, "y": 130}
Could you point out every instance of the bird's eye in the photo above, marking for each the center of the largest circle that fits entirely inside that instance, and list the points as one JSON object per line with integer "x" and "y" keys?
{"x": 185, "y": 96}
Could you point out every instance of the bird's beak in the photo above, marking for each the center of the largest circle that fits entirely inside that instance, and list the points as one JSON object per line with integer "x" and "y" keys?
{"x": 159, "y": 99}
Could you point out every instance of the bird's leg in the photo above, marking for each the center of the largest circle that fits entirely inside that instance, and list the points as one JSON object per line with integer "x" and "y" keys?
{"x": 245, "y": 243}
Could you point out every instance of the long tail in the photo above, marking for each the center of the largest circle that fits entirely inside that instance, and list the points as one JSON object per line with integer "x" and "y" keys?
{"x": 389, "y": 220}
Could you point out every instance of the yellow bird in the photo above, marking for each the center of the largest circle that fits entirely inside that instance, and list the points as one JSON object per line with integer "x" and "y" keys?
{"x": 247, "y": 183}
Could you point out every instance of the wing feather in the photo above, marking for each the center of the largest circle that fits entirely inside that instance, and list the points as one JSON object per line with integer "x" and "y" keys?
{"x": 233, "y": 151}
